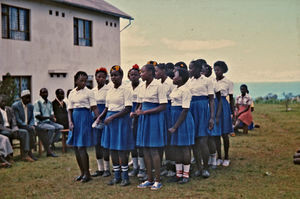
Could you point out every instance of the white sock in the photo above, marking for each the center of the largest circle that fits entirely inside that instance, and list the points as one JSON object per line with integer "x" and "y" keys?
{"x": 179, "y": 170}
{"x": 186, "y": 171}
{"x": 135, "y": 163}
{"x": 214, "y": 159}
{"x": 100, "y": 164}
{"x": 141, "y": 162}
{"x": 106, "y": 165}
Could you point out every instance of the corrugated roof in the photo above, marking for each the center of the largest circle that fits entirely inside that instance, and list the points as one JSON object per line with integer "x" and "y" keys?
{"x": 96, "y": 5}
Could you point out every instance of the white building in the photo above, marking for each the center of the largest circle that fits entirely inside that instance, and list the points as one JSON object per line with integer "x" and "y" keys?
{"x": 45, "y": 42}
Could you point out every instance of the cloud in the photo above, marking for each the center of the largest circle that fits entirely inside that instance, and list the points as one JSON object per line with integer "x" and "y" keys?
{"x": 194, "y": 45}
{"x": 133, "y": 37}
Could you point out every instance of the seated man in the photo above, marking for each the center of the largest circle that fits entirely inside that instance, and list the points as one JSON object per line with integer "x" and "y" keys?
{"x": 48, "y": 130}
{"x": 5, "y": 151}
{"x": 9, "y": 128}
{"x": 60, "y": 108}
{"x": 23, "y": 110}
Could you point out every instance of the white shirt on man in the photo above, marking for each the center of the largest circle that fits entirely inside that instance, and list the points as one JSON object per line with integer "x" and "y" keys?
{"x": 83, "y": 98}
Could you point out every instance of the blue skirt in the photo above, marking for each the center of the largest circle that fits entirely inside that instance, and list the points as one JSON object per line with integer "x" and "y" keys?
{"x": 152, "y": 129}
{"x": 134, "y": 104}
{"x": 98, "y": 132}
{"x": 225, "y": 120}
{"x": 82, "y": 134}
{"x": 201, "y": 114}
{"x": 185, "y": 134}
{"x": 117, "y": 134}
{"x": 216, "y": 131}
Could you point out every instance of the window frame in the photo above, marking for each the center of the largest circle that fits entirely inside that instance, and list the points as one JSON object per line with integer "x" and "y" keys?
{"x": 76, "y": 31}
{"x": 8, "y": 21}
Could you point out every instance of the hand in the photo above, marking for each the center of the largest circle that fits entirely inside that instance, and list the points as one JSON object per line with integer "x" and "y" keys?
{"x": 71, "y": 126}
{"x": 108, "y": 120}
{"x": 211, "y": 124}
{"x": 133, "y": 114}
{"x": 172, "y": 130}
{"x": 139, "y": 112}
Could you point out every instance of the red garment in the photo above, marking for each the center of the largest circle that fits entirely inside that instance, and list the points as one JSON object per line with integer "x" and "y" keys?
{"x": 245, "y": 117}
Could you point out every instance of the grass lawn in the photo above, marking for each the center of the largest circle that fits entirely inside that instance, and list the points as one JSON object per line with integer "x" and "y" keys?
{"x": 261, "y": 167}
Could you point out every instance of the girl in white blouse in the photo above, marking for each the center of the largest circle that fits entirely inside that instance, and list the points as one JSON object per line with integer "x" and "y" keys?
{"x": 182, "y": 126}
{"x": 117, "y": 136}
{"x": 137, "y": 153}
{"x": 81, "y": 134}
{"x": 202, "y": 108}
{"x": 151, "y": 133}
{"x": 100, "y": 94}
{"x": 226, "y": 88}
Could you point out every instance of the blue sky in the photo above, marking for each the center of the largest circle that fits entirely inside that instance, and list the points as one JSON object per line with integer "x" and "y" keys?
{"x": 258, "y": 39}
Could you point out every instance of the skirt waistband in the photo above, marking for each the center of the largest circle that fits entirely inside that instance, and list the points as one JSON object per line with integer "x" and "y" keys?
{"x": 176, "y": 108}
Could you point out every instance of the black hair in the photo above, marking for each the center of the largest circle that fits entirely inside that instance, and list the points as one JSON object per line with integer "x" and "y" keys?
{"x": 199, "y": 63}
{"x": 42, "y": 89}
{"x": 181, "y": 64}
{"x": 169, "y": 70}
{"x": 162, "y": 66}
{"x": 68, "y": 92}
{"x": 209, "y": 69}
{"x": 57, "y": 91}
{"x": 80, "y": 73}
{"x": 246, "y": 87}
{"x": 184, "y": 74}
{"x": 154, "y": 63}
{"x": 101, "y": 70}
{"x": 117, "y": 68}
{"x": 150, "y": 67}
{"x": 222, "y": 65}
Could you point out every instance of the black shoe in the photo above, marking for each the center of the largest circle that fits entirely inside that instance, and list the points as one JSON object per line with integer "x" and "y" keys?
{"x": 173, "y": 179}
{"x": 125, "y": 182}
{"x": 52, "y": 155}
{"x": 78, "y": 178}
{"x": 86, "y": 179}
{"x": 184, "y": 180}
{"x": 114, "y": 181}
{"x": 198, "y": 173}
{"x": 97, "y": 173}
{"x": 106, "y": 173}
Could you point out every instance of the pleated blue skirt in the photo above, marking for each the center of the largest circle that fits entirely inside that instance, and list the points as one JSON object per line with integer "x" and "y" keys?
{"x": 82, "y": 134}
{"x": 117, "y": 135}
{"x": 134, "y": 104}
{"x": 200, "y": 112}
{"x": 185, "y": 134}
{"x": 98, "y": 132}
{"x": 216, "y": 131}
{"x": 225, "y": 120}
{"x": 152, "y": 129}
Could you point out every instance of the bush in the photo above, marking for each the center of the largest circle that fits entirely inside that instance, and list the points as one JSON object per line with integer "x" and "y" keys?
{"x": 8, "y": 88}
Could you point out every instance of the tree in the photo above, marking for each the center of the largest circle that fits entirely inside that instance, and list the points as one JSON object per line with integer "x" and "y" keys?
{"x": 287, "y": 99}
{"x": 8, "y": 88}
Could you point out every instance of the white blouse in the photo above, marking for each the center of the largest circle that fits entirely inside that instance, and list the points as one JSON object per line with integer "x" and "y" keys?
{"x": 100, "y": 94}
{"x": 83, "y": 98}
{"x": 181, "y": 97}
{"x": 225, "y": 86}
{"x": 201, "y": 86}
{"x": 246, "y": 100}
{"x": 154, "y": 93}
{"x": 168, "y": 86}
{"x": 135, "y": 92}
{"x": 118, "y": 98}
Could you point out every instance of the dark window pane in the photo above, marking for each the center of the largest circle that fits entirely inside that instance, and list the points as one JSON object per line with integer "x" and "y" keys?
{"x": 80, "y": 29}
{"x": 4, "y": 27}
{"x": 13, "y": 18}
{"x": 87, "y": 29}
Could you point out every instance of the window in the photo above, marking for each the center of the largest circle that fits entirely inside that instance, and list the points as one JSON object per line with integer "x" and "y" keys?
{"x": 82, "y": 32}
{"x": 50, "y": 12}
{"x": 15, "y": 23}
{"x": 22, "y": 83}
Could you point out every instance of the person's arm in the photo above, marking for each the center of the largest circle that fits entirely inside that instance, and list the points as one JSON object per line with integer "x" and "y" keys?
{"x": 71, "y": 125}
{"x": 212, "y": 112}
{"x": 17, "y": 115}
{"x": 157, "y": 109}
{"x": 125, "y": 111}
{"x": 95, "y": 110}
{"x": 219, "y": 108}
{"x": 179, "y": 121}
{"x": 244, "y": 111}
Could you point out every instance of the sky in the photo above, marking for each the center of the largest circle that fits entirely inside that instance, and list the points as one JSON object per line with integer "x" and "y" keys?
{"x": 258, "y": 39}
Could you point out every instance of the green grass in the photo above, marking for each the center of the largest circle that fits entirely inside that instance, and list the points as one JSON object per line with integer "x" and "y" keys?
{"x": 268, "y": 149}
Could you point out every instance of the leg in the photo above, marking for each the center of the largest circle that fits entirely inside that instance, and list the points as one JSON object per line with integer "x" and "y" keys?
{"x": 134, "y": 155}
{"x": 197, "y": 156}
{"x": 218, "y": 147}
{"x": 57, "y": 132}
{"x": 23, "y": 136}
{"x": 226, "y": 146}
{"x": 79, "y": 162}
{"x": 205, "y": 155}
{"x": 116, "y": 167}
{"x": 99, "y": 157}
{"x": 123, "y": 156}
{"x": 186, "y": 159}
{"x": 148, "y": 162}
{"x": 156, "y": 160}
{"x": 85, "y": 164}
{"x": 212, "y": 151}
{"x": 45, "y": 133}
{"x": 245, "y": 128}
{"x": 141, "y": 163}
{"x": 106, "y": 163}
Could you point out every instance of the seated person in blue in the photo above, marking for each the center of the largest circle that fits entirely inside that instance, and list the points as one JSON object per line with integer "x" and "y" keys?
{"x": 23, "y": 111}
{"x": 45, "y": 121}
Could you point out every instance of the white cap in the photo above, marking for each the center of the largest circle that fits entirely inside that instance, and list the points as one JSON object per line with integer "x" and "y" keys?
{"x": 25, "y": 92}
